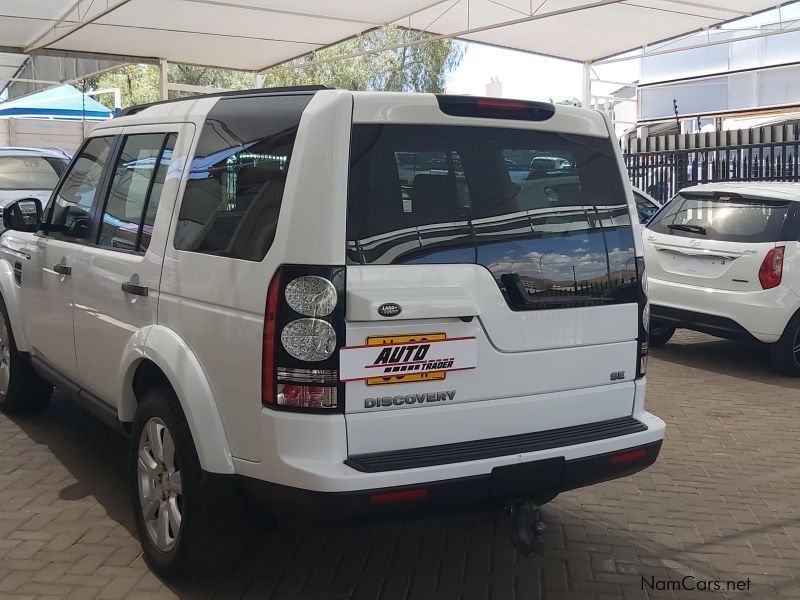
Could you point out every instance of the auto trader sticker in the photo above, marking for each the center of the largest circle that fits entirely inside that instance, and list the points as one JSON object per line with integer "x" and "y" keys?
{"x": 365, "y": 362}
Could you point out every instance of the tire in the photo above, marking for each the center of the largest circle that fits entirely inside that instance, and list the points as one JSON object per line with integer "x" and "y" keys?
{"x": 785, "y": 353}
{"x": 22, "y": 390}
{"x": 208, "y": 535}
{"x": 660, "y": 334}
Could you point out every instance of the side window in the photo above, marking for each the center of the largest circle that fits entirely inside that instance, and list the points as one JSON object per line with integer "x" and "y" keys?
{"x": 235, "y": 188}
{"x": 130, "y": 208}
{"x": 69, "y": 213}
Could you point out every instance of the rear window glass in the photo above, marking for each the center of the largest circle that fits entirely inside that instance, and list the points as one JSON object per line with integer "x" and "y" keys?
{"x": 722, "y": 218}
{"x": 30, "y": 172}
{"x": 233, "y": 196}
{"x": 546, "y": 213}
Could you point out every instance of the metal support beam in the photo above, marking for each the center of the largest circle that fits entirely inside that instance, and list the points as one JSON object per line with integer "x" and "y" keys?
{"x": 163, "y": 79}
{"x": 195, "y": 89}
{"x": 586, "y": 88}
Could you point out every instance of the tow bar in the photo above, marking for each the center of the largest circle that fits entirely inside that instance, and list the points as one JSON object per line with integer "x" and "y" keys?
{"x": 527, "y": 527}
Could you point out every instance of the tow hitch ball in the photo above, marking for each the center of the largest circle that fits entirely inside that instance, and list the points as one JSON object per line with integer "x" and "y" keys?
{"x": 527, "y": 527}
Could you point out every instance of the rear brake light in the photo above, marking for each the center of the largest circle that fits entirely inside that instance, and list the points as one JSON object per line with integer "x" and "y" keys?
{"x": 771, "y": 270}
{"x": 644, "y": 320}
{"x": 303, "y": 331}
{"x": 629, "y": 456}
{"x": 403, "y": 496}
{"x": 495, "y": 108}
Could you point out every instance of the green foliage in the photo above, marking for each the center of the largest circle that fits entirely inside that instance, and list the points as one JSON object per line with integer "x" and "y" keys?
{"x": 418, "y": 68}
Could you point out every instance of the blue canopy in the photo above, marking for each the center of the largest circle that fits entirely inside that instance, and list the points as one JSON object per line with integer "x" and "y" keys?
{"x": 62, "y": 102}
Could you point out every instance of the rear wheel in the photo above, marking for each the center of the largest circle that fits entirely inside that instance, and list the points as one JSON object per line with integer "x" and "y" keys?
{"x": 187, "y": 527}
{"x": 660, "y": 333}
{"x": 22, "y": 390}
{"x": 785, "y": 353}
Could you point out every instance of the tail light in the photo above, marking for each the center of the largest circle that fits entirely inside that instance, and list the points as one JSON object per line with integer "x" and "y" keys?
{"x": 644, "y": 319}
{"x": 771, "y": 270}
{"x": 303, "y": 331}
{"x": 495, "y": 108}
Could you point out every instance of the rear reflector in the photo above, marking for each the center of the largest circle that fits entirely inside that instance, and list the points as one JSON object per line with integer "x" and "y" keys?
{"x": 268, "y": 348}
{"x": 495, "y": 108}
{"x": 629, "y": 456}
{"x": 404, "y": 496}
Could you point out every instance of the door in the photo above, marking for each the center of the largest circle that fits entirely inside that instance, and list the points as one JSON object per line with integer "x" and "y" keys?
{"x": 714, "y": 240}
{"x": 117, "y": 275}
{"x": 532, "y": 276}
{"x": 47, "y": 279}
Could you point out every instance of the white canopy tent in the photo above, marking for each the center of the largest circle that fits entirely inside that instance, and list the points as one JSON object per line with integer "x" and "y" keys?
{"x": 254, "y": 35}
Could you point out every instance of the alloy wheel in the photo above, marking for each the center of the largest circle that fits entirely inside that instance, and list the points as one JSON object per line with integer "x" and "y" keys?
{"x": 160, "y": 486}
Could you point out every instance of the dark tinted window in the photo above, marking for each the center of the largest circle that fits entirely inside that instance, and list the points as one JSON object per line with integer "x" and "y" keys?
{"x": 234, "y": 192}
{"x": 30, "y": 172}
{"x": 69, "y": 213}
{"x": 721, "y": 217}
{"x": 644, "y": 207}
{"x": 135, "y": 191}
{"x": 546, "y": 213}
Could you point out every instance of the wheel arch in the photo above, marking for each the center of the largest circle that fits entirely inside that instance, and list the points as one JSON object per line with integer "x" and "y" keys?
{"x": 156, "y": 355}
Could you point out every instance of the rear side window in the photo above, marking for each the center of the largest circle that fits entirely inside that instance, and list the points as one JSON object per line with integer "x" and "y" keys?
{"x": 233, "y": 196}
{"x": 722, "y": 217}
{"x": 129, "y": 212}
{"x": 545, "y": 212}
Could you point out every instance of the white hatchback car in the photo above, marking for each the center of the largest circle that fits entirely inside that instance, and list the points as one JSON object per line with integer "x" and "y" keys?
{"x": 723, "y": 259}
{"x": 338, "y": 302}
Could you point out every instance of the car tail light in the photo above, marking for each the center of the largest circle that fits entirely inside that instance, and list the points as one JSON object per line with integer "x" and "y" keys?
{"x": 495, "y": 108}
{"x": 644, "y": 319}
{"x": 771, "y": 270}
{"x": 303, "y": 331}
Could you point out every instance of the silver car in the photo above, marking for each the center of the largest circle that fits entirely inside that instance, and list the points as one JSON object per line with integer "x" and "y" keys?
{"x": 30, "y": 173}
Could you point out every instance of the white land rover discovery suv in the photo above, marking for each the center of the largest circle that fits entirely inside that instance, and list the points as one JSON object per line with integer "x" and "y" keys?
{"x": 338, "y": 302}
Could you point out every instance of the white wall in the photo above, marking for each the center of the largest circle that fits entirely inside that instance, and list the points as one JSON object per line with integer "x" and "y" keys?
{"x": 44, "y": 133}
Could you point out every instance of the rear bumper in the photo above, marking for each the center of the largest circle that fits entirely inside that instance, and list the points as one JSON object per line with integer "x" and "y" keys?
{"x": 539, "y": 481}
{"x": 761, "y": 315}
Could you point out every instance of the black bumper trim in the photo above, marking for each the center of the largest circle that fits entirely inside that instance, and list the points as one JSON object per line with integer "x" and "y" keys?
{"x": 430, "y": 456}
{"x": 711, "y": 324}
{"x": 451, "y": 494}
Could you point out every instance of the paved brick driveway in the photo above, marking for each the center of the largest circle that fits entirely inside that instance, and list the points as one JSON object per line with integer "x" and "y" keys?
{"x": 722, "y": 503}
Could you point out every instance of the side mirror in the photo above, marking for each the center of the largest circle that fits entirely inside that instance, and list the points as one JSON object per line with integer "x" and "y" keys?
{"x": 23, "y": 215}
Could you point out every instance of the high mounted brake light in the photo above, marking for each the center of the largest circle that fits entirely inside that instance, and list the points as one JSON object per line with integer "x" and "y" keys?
{"x": 495, "y": 108}
{"x": 303, "y": 331}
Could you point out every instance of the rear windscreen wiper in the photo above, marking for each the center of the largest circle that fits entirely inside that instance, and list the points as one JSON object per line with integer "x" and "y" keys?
{"x": 689, "y": 228}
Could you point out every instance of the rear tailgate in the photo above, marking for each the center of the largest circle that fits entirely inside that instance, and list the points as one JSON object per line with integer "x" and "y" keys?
{"x": 715, "y": 239}
{"x": 532, "y": 278}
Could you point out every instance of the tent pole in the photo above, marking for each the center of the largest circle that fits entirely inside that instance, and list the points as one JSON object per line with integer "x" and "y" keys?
{"x": 586, "y": 95}
{"x": 163, "y": 79}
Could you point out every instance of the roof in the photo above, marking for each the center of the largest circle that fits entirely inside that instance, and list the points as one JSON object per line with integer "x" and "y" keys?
{"x": 21, "y": 150}
{"x": 255, "y": 34}
{"x": 782, "y": 190}
{"x": 63, "y": 102}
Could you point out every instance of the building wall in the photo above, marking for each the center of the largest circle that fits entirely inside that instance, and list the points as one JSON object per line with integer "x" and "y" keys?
{"x": 44, "y": 133}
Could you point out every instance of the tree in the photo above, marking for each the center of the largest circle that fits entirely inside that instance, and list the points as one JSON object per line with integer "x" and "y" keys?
{"x": 422, "y": 67}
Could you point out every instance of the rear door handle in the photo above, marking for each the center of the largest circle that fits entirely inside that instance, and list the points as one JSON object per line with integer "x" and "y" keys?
{"x": 135, "y": 289}
{"x": 62, "y": 269}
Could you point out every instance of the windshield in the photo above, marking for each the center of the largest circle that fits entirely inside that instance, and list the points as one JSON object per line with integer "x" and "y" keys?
{"x": 722, "y": 217}
{"x": 30, "y": 172}
{"x": 545, "y": 213}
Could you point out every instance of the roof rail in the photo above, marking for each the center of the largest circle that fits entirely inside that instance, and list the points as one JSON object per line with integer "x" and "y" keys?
{"x": 132, "y": 110}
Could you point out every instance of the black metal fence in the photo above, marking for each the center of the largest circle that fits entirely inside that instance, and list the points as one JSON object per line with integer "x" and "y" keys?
{"x": 661, "y": 173}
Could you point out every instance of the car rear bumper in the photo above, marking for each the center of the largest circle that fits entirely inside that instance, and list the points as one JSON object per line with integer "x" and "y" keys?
{"x": 761, "y": 315}
{"x": 539, "y": 481}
